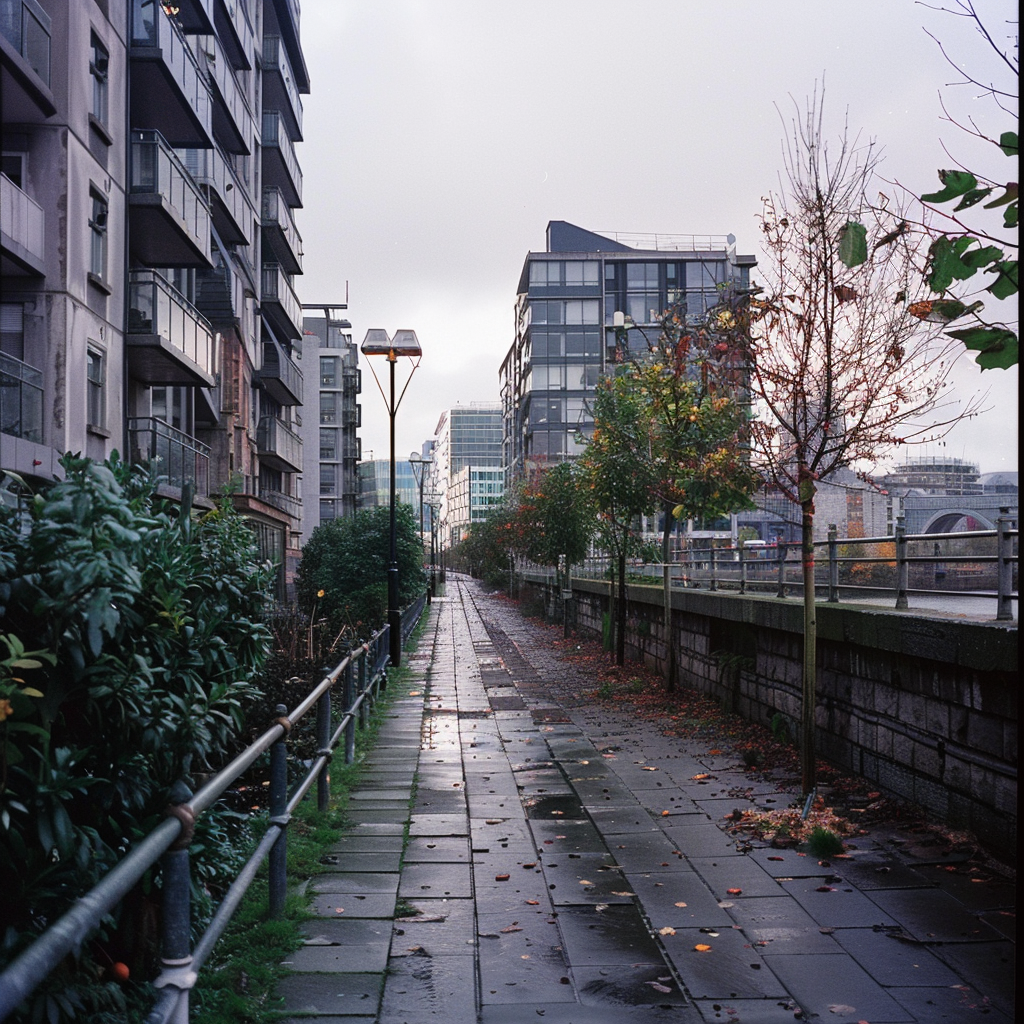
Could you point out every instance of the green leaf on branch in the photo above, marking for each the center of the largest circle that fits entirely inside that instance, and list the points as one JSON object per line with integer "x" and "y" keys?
{"x": 1008, "y": 143}
{"x": 853, "y": 244}
{"x": 946, "y": 264}
{"x": 974, "y": 196}
{"x": 1006, "y": 283}
{"x": 1010, "y": 216}
{"x": 956, "y": 183}
{"x": 996, "y": 346}
{"x": 978, "y": 258}
{"x": 1009, "y": 195}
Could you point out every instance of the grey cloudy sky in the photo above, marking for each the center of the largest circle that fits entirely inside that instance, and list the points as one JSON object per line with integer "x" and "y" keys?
{"x": 442, "y": 135}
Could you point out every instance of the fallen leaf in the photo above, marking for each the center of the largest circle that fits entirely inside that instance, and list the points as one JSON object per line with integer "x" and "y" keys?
{"x": 657, "y": 986}
{"x": 648, "y": 769}
{"x": 680, "y": 904}
{"x": 530, "y": 864}
{"x": 715, "y": 751}
{"x": 584, "y": 881}
{"x": 666, "y": 931}
{"x": 702, "y": 948}
{"x": 776, "y": 858}
{"x": 623, "y": 893}
{"x": 511, "y": 928}
{"x": 664, "y": 814}
{"x": 501, "y": 878}
{"x": 734, "y": 892}
{"x": 702, "y": 775}
{"x": 824, "y": 888}
{"x": 533, "y": 903}
{"x": 841, "y": 1008}
{"x": 525, "y": 956}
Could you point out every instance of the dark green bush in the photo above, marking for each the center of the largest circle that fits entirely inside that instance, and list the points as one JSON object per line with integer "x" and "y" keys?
{"x": 131, "y": 634}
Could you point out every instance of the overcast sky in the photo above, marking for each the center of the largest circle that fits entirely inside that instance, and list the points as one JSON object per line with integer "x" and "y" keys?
{"x": 441, "y": 136}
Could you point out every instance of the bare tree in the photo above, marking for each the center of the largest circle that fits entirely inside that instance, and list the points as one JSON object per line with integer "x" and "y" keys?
{"x": 841, "y": 371}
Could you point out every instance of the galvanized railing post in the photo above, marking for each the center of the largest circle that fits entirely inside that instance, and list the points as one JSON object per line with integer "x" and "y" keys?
{"x": 277, "y": 862}
{"x": 711, "y": 565}
{"x": 350, "y": 729}
{"x": 363, "y": 654}
{"x": 833, "y": 563}
{"x": 175, "y": 908}
{"x": 902, "y": 568}
{"x": 323, "y": 741}
{"x": 1004, "y": 565}
{"x": 781, "y": 589}
{"x": 743, "y": 567}
{"x": 385, "y": 639}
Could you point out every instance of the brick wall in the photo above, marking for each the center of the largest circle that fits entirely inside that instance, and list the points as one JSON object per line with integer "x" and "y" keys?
{"x": 926, "y": 708}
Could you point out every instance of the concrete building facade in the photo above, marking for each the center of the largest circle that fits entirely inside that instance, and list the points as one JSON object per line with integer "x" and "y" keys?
{"x": 150, "y": 248}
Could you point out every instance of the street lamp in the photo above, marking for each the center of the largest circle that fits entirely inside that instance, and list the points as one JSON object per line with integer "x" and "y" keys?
{"x": 433, "y": 500}
{"x": 404, "y": 343}
{"x": 419, "y": 465}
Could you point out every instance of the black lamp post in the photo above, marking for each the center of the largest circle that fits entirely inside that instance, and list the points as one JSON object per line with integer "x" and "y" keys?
{"x": 419, "y": 464}
{"x": 404, "y": 343}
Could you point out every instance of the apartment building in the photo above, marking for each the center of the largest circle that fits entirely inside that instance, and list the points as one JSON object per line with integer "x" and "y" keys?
{"x": 467, "y": 453}
{"x": 565, "y": 316}
{"x": 331, "y": 418}
{"x": 149, "y": 246}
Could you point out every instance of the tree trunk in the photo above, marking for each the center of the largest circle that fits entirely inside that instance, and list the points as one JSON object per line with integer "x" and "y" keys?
{"x": 666, "y": 597}
{"x": 620, "y": 631}
{"x": 809, "y": 698}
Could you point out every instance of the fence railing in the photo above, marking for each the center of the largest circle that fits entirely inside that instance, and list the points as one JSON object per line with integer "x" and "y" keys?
{"x": 361, "y": 675}
{"x": 901, "y": 565}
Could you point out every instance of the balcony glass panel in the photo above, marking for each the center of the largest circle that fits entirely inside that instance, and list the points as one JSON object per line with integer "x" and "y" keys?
{"x": 26, "y": 26}
{"x": 276, "y": 137}
{"x": 277, "y": 289}
{"x": 209, "y": 167}
{"x": 277, "y": 214}
{"x": 21, "y": 399}
{"x": 275, "y": 438}
{"x": 21, "y": 217}
{"x": 156, "y": 169}
{"x": 174, "y": 454}
{"x": 153, "y": 28}
{"x": 234, "y": 101}
{"x": 155, "y": 308}
{"x": 279, "y": 369}
{"x": 275, "y": 60}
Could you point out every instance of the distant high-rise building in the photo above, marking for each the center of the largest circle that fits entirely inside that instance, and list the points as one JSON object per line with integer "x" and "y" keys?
{"x": 330, "y": 418}
{"x": 467, "y": 455}
{"x": 930, "y": 474}
{"x": 149, "y": 247}
{"x": 565, "y": 339}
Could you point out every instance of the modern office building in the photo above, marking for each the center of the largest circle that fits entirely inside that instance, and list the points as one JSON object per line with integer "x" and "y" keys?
{"x": 565, "y": 338}
{"x": 928, "y": 474}
{"x": 149, "y": 246}
{"x": 331, "y": 416}
{"x": 375, "y": 484}
{"x": 467, "y": 458}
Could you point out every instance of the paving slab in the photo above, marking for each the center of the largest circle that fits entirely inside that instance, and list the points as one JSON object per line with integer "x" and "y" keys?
{"x": 347, "y": 959}
{"x": 452, "y": 849}
{"x": 441, "y": 928}
{"x": 566, "y": 1013}
{"x": 343, "y": 994}
{"x": 893, "y": 963}
{"x": 930, "y": 915}
{"x": 422, "y": 988}
{"x": 838, "y": 905}
{"x": 334, "y": 905}
{"x": 949, "y": 1005}
{"x": 731, "y": 967}
{"x": 355, "y": 882}
{"x": 602, "y": 938}
{"x": 746, "y": 1011}
{"x": 628, "y": 985}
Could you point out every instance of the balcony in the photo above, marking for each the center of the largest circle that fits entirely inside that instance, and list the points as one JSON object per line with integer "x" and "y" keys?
{"x": 169, "y": 218}
{"x": 169, "y": 91}
{"x": 278, "y": 446}
{"x": 280, "y": 165}
{"x": 168, "y": 340}
{"x": 287, "y": 12}
{"x": 230, "y": 203}
{"x": 25, "y": 43}
{"x": 279, "y": 89}
{"x": 171, "y": 453}
{"x": 235, "y": 32}
{"x": 283, "y": 502}
{"x": 22, "y": 225}
{"x": 281, "y": 238}
{"x": 280, "y": 376}
{"x": 279, "y": 303}
{"x": 233, "y": 125}
{"x": 21, "y": 399}
{"x": 195, "y": 16}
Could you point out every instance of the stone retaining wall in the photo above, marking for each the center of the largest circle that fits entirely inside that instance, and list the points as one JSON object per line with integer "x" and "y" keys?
{"x": 926, "y": 708}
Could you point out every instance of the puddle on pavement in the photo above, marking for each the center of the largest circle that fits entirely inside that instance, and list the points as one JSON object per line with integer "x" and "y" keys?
{"x": 553, "y": 806}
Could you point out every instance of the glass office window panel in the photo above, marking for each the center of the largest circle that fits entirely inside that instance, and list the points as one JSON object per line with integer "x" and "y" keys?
{"x": 328, "y": 371}
{"x": 328, "y": 443}
{"x": 574, "y": 343}
{"x": 329, "y": 408}
{"x": 328, "y": 475}
{"x": 591, "y": 374}
{"x": 641, "y": 276}
{"x": 643, "y": 307}
{"x": 592, "y": 343}
{"x": 705, "y": 275}
{"x": 582, "y": 311}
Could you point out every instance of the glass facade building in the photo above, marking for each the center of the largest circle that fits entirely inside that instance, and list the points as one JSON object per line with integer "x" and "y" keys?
{"x": 567, "y": 299}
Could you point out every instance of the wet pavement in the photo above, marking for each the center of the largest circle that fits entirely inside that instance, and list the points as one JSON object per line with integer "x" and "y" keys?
{"x": 564, "y": 865}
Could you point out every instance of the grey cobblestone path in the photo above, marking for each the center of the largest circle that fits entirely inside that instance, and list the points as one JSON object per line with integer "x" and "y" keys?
{"x": 564, "y": 865}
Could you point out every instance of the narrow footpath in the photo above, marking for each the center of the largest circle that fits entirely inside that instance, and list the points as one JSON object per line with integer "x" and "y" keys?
{"x": 564, "y": 864}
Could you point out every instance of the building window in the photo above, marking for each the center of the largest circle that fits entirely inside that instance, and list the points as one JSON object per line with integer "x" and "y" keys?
{"x": 96, "y": 383}
{"x": 328, "y": 372}
{"x": 329, "y": 408}
{"x": 99, "y": 63}
{"x": 328, "y": 444}
{"x": 328, "y": 476}
{"x": 98, "y": 237}
{"x": 12, "y": 329}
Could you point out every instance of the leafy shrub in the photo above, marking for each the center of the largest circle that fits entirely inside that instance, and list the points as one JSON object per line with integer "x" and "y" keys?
{"x": 146, "y": 629}
{"x": 822, "y": 842}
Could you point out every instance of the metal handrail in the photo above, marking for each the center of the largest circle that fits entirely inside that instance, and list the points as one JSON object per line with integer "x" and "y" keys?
{"x": 178, "y": 975}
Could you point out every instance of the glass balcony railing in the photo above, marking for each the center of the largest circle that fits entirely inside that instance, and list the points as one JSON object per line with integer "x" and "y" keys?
{"x": 155, "y": 308}
{"x": 210, "y": 168}
{"x": 280, "y": 164}
{"x": 280, "y": 82}
{"x": 154, "y": 29}
{"x": 280, "y": 375}
{"x": 171, "y": 452}
{"x": 157, "y": 170}
{"x": 280, "y": 302}
{"x": 26, "y": 26}
{"x": 21, "y": 218}
{"x": 21, "y": 399}
{"x": 285, "y": 239}
{"x": 284, "y": 502}
{"x": 231, "y": 99}
{"x": 279, "y": 445}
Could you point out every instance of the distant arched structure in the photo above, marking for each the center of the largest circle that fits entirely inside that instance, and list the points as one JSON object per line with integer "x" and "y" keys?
{"x": 957, "y": 521}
